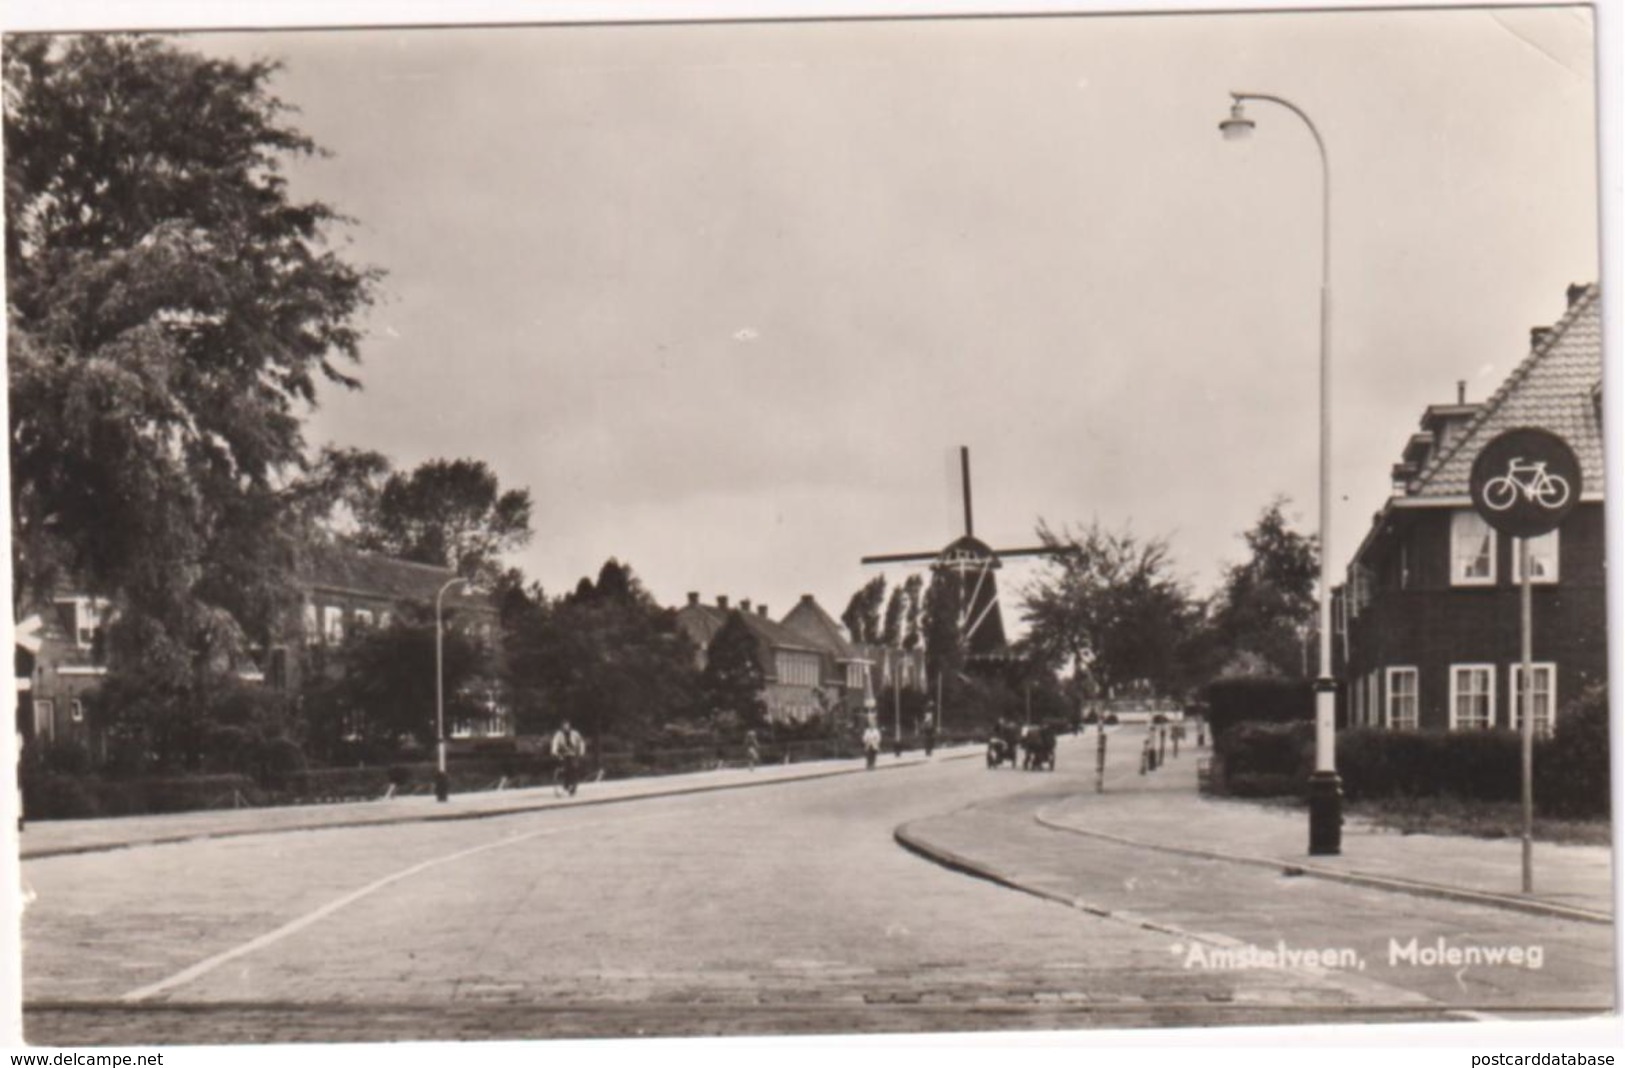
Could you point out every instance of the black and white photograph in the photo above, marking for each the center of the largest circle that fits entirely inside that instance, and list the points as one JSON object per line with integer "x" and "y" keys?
{"x": 910, "y": 522}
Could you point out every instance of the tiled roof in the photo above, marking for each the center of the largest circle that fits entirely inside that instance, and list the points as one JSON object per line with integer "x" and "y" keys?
{"x": 332, "y": 567}
{"x": 809, "y": 620}
{"x": 1553, "y": 388}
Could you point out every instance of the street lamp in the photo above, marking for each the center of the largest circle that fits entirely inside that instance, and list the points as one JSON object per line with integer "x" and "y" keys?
{"x": 1325, "y": 788}
{"x": 442, "y": 782}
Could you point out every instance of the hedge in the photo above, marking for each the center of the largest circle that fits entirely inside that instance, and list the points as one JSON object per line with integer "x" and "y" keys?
{"x": 1571, "y": 768}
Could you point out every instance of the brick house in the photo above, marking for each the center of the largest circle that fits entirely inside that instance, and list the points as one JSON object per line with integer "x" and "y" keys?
{"x": 805, "y": 672}
{"x": 345, "y": 591}
{"x": 1428, "y": 621}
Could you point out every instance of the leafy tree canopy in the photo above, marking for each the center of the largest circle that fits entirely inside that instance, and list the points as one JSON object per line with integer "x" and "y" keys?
{"x": 447, "y": 512}
{"x": 171, "y": 309}
{"x": 862, "y": 614}
{"x": 1265, "y": 613}
{"x": 1111, "y": 606}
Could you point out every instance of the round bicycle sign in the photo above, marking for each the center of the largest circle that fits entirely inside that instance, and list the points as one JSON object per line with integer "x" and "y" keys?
{"x": 1525, "y": 482}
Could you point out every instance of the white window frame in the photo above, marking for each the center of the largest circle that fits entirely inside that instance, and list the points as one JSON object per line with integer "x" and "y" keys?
{"x": 45, "y": 716}
{"x": 1544, "y": 725}
{"x": 1457, "y": 578}
{"x": 332, "y": 624}
{"x": 76, "y": 710}
{"x": 363, "y": 618}
{"x": 1392, "y": 692}
{"x": 313, "y": 623}
{"x": 1455, "y": 693}
{"x": 1554, "y": 572}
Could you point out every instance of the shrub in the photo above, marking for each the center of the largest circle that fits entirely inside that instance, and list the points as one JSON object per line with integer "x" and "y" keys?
{"x": 228, "y": 749}
{"x": 49, "y": 796}
{"x": 1571, "y": 769}
{"x": 66, "y": 758}
{"x": 1258, "y": 700}
{"x": 1259, "y": 757}
{"x": 280, "y": 760}
{"x": 399, "y": 775}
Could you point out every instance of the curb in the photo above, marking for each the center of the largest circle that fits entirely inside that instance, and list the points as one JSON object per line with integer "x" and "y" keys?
{"x": 434, "y": 816}
{"x": 1377, "y": 882}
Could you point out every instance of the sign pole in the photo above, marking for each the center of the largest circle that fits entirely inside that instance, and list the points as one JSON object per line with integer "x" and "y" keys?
{"x": 1524, "y": 483}
{"x": 1528, "y": 704}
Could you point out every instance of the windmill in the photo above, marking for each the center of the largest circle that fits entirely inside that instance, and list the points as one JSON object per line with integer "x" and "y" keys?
{"x": 972, "y": 563}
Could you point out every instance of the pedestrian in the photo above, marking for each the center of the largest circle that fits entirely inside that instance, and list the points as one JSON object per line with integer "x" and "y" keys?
{"x": 928, "y": 730}
{"x": 871, "y": 743}
{"x": 753, "y": 752}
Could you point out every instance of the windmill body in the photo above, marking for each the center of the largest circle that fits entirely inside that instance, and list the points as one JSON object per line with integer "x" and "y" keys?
{"x": 971, "y": 562}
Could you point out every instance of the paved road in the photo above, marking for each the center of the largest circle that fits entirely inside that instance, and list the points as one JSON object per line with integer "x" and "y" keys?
{"x": 784, "y": 909}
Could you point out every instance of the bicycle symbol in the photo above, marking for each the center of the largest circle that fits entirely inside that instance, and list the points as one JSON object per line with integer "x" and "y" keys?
{"x": 1531, "y": 479}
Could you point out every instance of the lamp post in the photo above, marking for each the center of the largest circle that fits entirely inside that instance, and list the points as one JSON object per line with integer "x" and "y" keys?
{"x": 1325, "y": 787}
{"x": 442, "y": 782}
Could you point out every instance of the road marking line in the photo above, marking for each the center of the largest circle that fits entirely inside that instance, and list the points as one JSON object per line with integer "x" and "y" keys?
{"x": 203, "y": 967}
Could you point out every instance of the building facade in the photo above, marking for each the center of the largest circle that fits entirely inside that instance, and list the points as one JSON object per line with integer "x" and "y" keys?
{"x": 1429, "y": 616}
{"x": 60, "y": 658}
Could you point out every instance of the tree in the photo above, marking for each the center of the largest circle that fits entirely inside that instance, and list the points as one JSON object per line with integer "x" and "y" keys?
{"x": 605, "y": 655}
{"x": 1109, "y": 606}
{"x": 451, "y": 513}
{"x": 383, "y": 691}
{"x": 732, "y": 684}
{"x": 170, "y": 311}
{"x": 862, "y": 614}
{"x": 1265, "y": 613}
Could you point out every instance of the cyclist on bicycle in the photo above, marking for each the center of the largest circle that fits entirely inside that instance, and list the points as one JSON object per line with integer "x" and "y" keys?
{"x": 569, "y": 748}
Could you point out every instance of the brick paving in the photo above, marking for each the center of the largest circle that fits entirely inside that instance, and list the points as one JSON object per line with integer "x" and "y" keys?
{"x": 782, "y": 910}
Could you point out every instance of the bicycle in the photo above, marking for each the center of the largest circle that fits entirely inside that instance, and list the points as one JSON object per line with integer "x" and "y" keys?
{"x": 1548, "y": 490}
{"x": 566, "y": 776}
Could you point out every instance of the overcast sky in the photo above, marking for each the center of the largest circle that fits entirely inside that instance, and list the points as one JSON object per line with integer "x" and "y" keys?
{"x": 726, "y": 298}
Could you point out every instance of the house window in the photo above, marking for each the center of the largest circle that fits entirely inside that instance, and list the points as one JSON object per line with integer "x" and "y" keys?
{"x": 363, "y": 618}
{"x": 313, "y": 631}
{"x": 333, "y": 624}
{"x": 1402, "y": 690}
{"x": 385, "y": 619}
{"x": 1405, "y": 565}
{"x": 1472, "y": 696}
{"x": 1545, "y": 696}
{"x": 81, "y": 619}
{"x": 1542, "y": 560}
{"x": 1472, "y": 550}
{"x": 1373, "y": 704}
{"x": 76, "y": 709}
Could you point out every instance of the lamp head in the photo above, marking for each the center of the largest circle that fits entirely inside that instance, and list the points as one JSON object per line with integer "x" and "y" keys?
{"x": 1238, "y": 125}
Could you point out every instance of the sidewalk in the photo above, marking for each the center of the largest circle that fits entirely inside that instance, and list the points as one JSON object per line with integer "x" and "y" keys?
{"x": 48, "y": 838}
{"x": 1163, "y": 811}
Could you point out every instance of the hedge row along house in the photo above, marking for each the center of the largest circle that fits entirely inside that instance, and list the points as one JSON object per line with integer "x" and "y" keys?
{"x": 809, "y": 664}
{"x": 1428, "y": 621}
{"x": 60, "y": 659}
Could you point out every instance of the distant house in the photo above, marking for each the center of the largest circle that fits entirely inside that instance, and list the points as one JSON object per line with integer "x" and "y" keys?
{"x": 60, "y": 657}
{"x": 346, "y": 591}
{"x": 1428, "y": 619}
{"x": 59, "y": 660}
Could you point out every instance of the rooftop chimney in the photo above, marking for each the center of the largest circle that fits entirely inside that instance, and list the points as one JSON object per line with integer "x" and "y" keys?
{"x": 1461, "y": 391}
{"x": 693, "y": 598}
{"x": 806, "y": 598}
{"x": 722, "y": 601}
{"x": 1538, "y": 335}
{"x": 761, "y": 610}
{"x": 1576, "y": 291}
{"x": 744, "y": 605}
